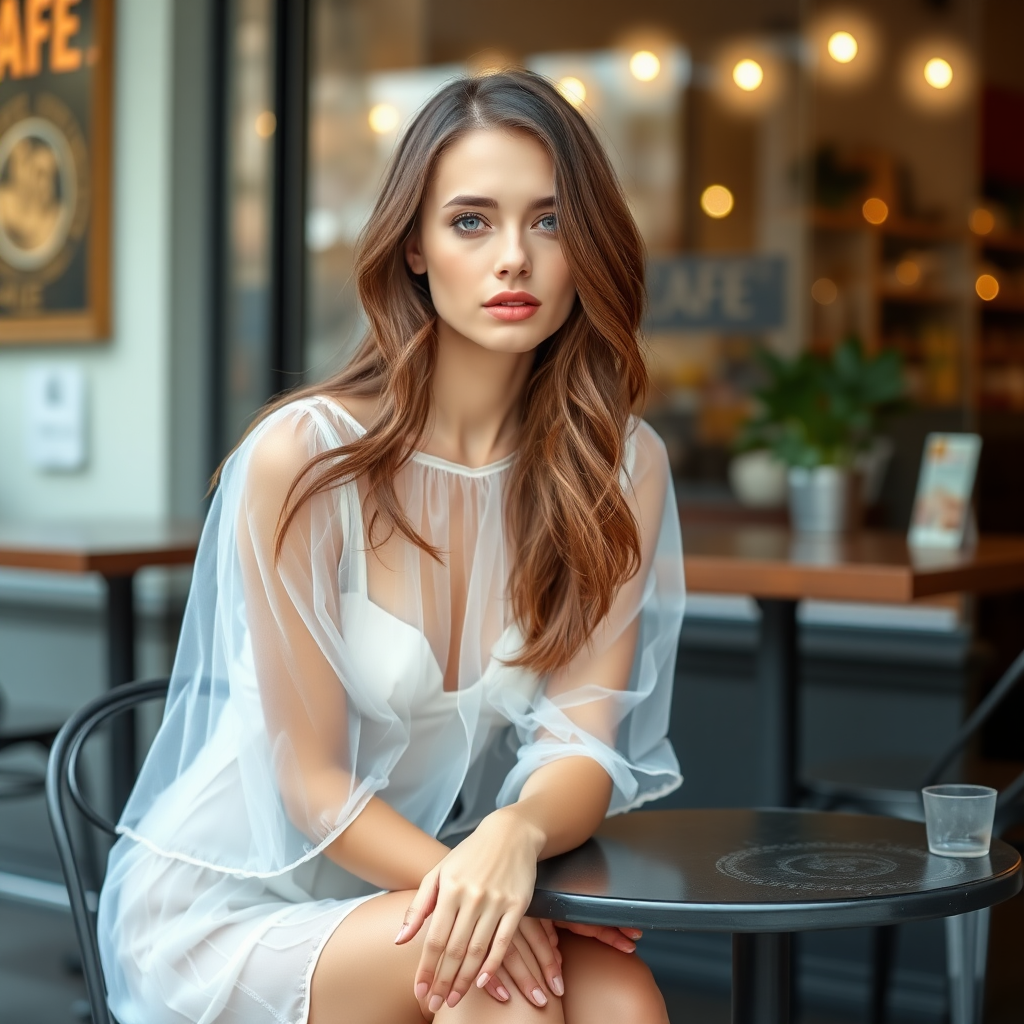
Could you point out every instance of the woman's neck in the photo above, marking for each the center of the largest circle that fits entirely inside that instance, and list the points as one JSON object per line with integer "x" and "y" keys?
{"x": 477, "y": 400}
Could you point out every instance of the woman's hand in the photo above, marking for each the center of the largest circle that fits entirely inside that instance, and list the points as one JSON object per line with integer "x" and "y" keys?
{"x": 476, "y": 898}
{"x": 621, "y": 938}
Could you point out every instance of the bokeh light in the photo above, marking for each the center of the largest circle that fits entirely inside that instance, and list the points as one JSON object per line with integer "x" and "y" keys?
{"x": 717, "y": 201}
{"x": 908, "y": 272}
{"x": 266, "y": 124}
{"x": 938, "y": 73}
{"x": 383, "y": 118}
{"x": 842, "y": 47}
{"x": 875, "y": 210}
{"x": 824, "y": 291}
{"x": 572, "y": 89}
{"x": 981, "y": 221}
{"x": 845, "y": 46}
{"x": 644, "y": 66}
{"x": 748, "y": 74}
{"x": 987, "y": 287}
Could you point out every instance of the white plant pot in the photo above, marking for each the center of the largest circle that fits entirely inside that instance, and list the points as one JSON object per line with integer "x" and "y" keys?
{"x": 758, "y": 479}
{"x": 825, "y": 499}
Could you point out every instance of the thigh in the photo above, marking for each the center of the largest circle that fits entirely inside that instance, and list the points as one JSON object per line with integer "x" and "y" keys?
{"x": 362, "y": 977}
{"x": 602, "y": 983}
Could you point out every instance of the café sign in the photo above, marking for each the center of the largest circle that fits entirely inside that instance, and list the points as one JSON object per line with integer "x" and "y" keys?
{"x": 55, "y": 97}
{"x": 743, "y": 294}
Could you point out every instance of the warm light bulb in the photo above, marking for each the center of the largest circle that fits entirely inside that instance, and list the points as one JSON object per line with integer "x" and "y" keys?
{"x": 644, "y": 66}
{"x": 266, "y": 124}
{"x": 987, "y": 287}
{"x": 824, "y": 291}
{"x": 748, "y": 74}
{"x": 908, "y": 272}
{"x": 842, "y": 47}
{"x": 981, "y": 221}
{"x": 938, "y": 73}
{"x": 875, "y": 211}
{"x": 716, "y": 201}
{"x": 572, "y": 89}
{"x": 383, "y": 118}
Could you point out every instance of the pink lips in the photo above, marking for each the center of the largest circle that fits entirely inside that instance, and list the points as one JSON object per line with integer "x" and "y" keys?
{"x": 512, "y": 306}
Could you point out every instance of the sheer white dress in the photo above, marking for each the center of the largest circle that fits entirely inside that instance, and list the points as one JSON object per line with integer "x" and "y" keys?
{"x": 304, "y": 685}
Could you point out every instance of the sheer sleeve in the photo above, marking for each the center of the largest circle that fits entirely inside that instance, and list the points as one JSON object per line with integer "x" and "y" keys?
{"x": 268, "y": 714}
{"x": 331, "y": 739}
{"x": 612, "y": 702}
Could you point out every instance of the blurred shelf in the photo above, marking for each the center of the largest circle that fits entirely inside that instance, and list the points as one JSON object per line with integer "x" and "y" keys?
{"x": 1012, "y": 303}
{"x": 1008, "y": 242}
{"x": 918, "y": 296}
{"x": 893, "y": 226}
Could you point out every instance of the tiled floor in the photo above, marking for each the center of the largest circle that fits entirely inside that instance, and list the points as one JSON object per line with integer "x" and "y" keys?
{"x": 36, "y": 986}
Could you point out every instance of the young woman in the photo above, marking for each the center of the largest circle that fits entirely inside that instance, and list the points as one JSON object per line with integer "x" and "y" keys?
{"x": 440, "y": 593}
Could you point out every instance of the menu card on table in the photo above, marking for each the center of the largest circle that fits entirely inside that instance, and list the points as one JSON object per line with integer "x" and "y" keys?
{"x": 942, "y": 514}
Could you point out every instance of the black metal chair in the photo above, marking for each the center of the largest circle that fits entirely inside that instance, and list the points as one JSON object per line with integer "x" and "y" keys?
{"x": 892, "y": 786}
{"x": 64, "y": 791}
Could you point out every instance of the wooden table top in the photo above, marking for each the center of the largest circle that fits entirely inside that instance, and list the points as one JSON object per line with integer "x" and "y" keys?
{"x": 105, "y": 546}
{"x": 772, "y": 562}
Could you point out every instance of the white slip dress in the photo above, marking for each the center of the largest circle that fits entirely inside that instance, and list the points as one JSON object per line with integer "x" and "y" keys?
{"x": 321, "y": 659}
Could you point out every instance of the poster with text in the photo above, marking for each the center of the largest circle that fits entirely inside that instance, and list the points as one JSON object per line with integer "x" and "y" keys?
{"x": 55, "y": 108}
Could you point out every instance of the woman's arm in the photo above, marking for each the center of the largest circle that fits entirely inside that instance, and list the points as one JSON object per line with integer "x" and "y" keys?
{"x": 385, "y": 849}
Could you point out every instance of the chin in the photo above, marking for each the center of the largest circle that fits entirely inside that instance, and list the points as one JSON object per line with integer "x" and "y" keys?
{"x": 508, "y": 341}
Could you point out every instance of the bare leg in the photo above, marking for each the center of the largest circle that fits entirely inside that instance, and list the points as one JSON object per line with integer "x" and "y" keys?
{"x": 362, "y": 977}
{"x": 605, "y": 984}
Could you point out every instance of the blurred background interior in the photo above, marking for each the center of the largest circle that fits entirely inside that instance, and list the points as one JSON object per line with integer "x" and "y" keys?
{"x": 804, "y": 174}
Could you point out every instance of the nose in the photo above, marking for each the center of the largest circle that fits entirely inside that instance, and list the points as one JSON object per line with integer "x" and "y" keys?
{"x": 513, "y": 259}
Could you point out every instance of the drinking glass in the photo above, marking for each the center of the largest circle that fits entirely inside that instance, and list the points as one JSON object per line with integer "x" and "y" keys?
{"x": 958, "y": 819}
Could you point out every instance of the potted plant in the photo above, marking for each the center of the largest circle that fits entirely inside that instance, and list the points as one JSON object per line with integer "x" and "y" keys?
{"x": 817, "y": 414}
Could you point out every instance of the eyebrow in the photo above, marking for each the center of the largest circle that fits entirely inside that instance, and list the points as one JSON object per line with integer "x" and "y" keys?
{"x": 492, "y": 204}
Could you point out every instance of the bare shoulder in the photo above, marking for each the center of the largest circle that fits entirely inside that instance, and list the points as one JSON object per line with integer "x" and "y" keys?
{"x": 361, "y": 408}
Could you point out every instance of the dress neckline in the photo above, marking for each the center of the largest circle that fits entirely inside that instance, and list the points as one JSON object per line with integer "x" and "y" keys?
{"x": 423, "y": 458}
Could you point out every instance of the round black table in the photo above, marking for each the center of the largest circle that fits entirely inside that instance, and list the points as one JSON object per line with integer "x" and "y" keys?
{"x": 761, "y": 874}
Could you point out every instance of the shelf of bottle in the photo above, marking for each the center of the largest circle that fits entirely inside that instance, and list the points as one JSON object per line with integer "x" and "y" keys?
{"x": 1005, "y": 302}
{"x": 893, "y": 226}
{"x": 1005, "y": 242}
{"x": 911, "y": 295}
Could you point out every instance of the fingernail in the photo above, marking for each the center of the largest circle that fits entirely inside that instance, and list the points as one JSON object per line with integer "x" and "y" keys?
{"x": 556, "y": 985}
{"x": 421, "y": 989}
{"x": 502, "y": 992}
{"x": 435, "y": 1003}
{"x": 483, "y": 979}
{"x": 636, "y": 935}
{"x": 401, "y": 932}
{"x": 631, "y": 948}
{"x": 539, "y": 998}
{"x": 454, "y": 997}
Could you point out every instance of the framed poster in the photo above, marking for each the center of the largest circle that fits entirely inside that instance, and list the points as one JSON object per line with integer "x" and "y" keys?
{"x": 942, "y": 506}
{"x": 55, "y": 109}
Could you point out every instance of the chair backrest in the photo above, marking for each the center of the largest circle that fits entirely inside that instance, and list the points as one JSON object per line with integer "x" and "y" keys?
{"x": 1010, "y": 805}
{"x": 64, "y": 796}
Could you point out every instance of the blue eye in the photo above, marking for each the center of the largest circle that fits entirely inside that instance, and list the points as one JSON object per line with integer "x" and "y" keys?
{"x": 468, "y": 223}
{"x": 549, "y": 222}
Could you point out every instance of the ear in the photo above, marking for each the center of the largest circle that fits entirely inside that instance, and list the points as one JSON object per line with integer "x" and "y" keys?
{"x": 414, "y": 252}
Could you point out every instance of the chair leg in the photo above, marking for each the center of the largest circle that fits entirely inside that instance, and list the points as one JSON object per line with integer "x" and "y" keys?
{"x": 966, "y": 956}
{"x": 883, "y": 952}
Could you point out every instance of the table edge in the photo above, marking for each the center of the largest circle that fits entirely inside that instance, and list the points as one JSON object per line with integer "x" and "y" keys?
{"x": 866, "y": 911}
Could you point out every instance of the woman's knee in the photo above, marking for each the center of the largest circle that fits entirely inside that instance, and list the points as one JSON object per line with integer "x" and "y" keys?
{"x": 611, "y": 984}
{"x": 479, "y": 1007}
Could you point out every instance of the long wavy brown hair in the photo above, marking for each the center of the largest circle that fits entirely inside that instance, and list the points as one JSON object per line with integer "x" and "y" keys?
{"x": 574, "y": 537}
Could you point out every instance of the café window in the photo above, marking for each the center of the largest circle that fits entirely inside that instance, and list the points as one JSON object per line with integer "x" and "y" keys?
{"x": 803, "y": 175}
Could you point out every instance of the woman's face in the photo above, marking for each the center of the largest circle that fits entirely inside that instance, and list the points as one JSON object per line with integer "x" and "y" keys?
{"x": 487, "y": 239}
